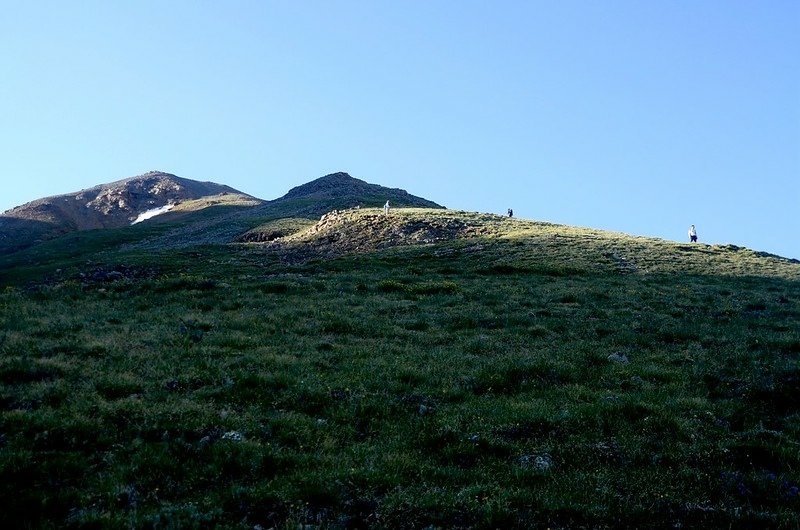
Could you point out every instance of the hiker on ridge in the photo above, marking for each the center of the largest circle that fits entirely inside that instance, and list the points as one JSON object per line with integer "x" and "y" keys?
{"x": 386, "y": 208}
{"x": 510, "y": 212}
{"x": 692, "y": 234}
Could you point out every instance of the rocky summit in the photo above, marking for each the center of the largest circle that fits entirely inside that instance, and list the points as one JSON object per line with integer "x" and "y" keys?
{"x": 110, "y": 205}
{"x": 118, "y": 203}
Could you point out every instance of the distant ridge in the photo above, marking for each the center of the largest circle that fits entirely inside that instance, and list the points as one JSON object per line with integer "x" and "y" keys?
{"x": 123, "y": 202}
{"x": 111, "y": 205}
{"x": 302, "y": 204}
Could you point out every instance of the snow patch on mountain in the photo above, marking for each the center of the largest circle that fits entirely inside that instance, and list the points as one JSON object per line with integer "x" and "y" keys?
{"x": 152, "y": 213}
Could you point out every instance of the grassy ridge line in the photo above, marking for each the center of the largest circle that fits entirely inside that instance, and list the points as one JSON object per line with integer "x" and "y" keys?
{"x": 222, "y": 224}
{"x": 536, "y": 242}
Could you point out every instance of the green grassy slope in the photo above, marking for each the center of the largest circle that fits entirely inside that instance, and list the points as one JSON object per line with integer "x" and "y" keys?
{"x": 430, "y": 368}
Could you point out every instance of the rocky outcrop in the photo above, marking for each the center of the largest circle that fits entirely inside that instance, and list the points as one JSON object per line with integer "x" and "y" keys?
{"x": 366, "y": 229}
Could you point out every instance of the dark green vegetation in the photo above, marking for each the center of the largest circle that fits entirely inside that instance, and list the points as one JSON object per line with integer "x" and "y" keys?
{"x": 509, "y": 374}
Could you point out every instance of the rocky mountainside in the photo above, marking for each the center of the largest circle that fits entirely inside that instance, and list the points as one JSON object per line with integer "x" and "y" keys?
{"x": 118, "y": 203}
{"x": 110, "y": 205}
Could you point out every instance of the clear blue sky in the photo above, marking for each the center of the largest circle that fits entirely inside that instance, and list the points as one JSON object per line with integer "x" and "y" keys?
{"x": 636, "y": 116}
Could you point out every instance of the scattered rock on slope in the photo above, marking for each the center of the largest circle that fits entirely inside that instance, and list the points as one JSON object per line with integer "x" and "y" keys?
{"x": 361, "y": 230}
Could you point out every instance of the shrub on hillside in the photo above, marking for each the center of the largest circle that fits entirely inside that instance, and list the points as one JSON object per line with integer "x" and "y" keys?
{"x": 391, "y": 286}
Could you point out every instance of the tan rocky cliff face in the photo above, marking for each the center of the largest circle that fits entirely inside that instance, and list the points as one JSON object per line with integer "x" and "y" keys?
{"x": 118, "y": 203}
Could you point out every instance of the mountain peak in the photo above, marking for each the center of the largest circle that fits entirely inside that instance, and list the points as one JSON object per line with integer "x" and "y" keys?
{"x": 110, "y": 205}
{"x": 340, "y": 190}
{"x": 156, "y": 173}
{"x": 332, "y": 184}
{"x": 156, "y": 176}
{"x": 339, "y": 176}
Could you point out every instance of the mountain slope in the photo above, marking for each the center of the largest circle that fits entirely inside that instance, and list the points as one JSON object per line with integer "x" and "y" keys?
{"x": 426, "y": 368}
{"x": 109, "y": 205}
{"x": 429, "y": 368}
